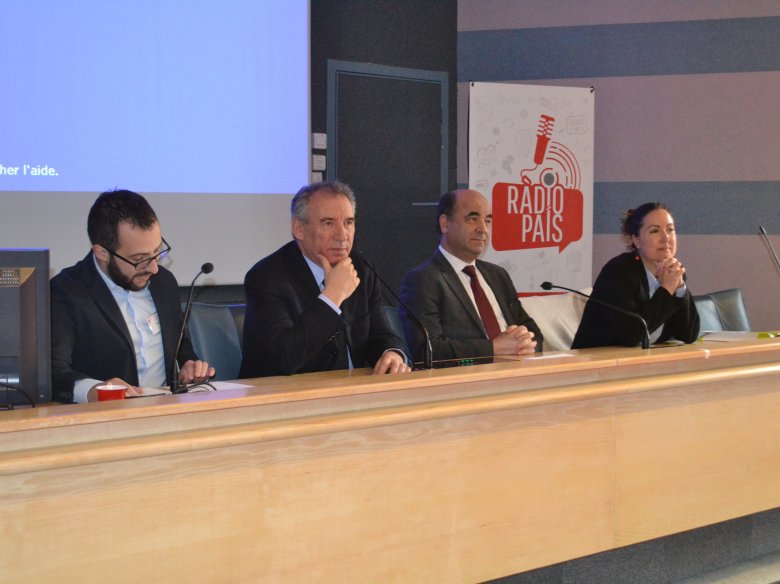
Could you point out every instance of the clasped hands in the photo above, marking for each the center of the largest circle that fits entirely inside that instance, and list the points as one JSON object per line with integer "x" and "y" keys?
{"x": 515, "y": 340}
{"x": 191, "y": 372}
{"x": 669, "y": 273}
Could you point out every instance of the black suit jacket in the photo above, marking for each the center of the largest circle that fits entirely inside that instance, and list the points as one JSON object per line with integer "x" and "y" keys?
{"x": 623, "y": 282}
{"x": 89, "y": 337}
{"x": 288, "y": 329}
{"x": 435, "y": 294}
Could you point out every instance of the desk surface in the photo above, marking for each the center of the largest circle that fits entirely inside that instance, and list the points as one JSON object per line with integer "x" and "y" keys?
{"x": 313, "y": 386}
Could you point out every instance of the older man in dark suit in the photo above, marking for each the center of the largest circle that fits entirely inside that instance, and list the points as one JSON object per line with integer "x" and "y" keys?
{"x": 309, "y": 307}
{"x": 469, "y": 307}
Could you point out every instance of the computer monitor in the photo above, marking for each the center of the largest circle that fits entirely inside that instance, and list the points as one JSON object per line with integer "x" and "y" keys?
{"x": 25, "y": 328}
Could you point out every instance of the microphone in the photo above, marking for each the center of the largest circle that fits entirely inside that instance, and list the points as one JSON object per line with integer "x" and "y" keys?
{"x": 769, "y": 243}
{"x": 428, "y": 356}
{"x": 634, "y": 315}
{"x": 206, "y": 268}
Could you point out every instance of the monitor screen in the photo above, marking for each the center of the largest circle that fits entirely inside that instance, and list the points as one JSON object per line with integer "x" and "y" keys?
{"x": 25, "y": 345}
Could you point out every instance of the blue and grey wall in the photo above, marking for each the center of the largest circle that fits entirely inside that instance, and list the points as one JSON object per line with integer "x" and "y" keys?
{"x": 687, "y": 112}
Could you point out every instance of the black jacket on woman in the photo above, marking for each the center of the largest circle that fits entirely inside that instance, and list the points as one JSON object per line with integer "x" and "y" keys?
{"x": 623, "y": 282}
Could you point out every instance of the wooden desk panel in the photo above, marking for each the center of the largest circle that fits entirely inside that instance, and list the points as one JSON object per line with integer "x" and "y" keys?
{"x": 457, "y": 475}
{"x": 695, "y": 455}
{"x": 447, "y": 500}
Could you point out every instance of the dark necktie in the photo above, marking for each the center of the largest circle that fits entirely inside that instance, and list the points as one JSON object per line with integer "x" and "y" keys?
{"x": 483, "y": 304}
{"x": 342, "y": 341}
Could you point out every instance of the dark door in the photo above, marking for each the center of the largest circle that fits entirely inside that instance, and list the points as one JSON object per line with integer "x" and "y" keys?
{"x": 387, "y": 138}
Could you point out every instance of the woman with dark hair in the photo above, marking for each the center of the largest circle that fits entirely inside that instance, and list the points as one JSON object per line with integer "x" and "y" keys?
{"x": 648, "y": 280}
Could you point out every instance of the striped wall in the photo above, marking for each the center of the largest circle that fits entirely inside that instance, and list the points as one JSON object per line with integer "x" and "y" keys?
{"x": 687, "y": 112}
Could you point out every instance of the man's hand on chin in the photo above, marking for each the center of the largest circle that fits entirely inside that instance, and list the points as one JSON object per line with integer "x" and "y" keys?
{"x": 341, "y": 279}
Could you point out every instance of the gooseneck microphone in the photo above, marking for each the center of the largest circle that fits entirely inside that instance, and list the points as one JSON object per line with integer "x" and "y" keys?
{"x": 428, "y": 356}
{"x": 634, "y": 315}
{"x": 769, "y": 243}
{"x": 206, "y": 268}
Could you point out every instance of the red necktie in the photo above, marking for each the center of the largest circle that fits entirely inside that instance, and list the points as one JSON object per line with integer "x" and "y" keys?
{"x": 483, "y": 304}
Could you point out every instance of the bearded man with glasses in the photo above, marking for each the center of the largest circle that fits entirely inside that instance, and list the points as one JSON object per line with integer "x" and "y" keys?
{"x": 116, "y": 315}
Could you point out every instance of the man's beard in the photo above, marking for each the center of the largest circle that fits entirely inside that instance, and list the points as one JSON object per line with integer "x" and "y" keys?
{"x": 123, "y": 281}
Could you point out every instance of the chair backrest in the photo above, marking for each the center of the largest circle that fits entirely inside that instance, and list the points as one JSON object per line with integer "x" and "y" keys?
{"x": 708, "y": 314}
{"x": 216, "y": 331}
{"x": 558, "y": 317}
{"x": 398, "y": 328}
{"x": 238, "y": 311}
{"x": 724, "y": 310}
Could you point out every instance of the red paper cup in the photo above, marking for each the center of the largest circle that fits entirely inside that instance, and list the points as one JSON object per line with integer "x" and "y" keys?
{"x": 110, "y": 392}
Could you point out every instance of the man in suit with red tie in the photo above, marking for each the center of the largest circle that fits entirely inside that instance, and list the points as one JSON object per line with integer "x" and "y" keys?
{"x": 469, "y": 307}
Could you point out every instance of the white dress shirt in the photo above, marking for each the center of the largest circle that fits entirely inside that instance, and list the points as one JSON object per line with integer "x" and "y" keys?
{"x": 458, "y": 265}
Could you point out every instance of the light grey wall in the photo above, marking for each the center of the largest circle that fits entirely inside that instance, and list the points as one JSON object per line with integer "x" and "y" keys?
{"x": 231, "y": 231}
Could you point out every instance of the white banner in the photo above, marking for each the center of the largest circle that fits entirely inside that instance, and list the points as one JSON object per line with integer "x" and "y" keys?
{"x": 531, "y": 155}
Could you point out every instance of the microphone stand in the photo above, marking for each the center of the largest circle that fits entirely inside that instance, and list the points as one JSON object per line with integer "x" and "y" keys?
{"x": 175, "y": 369}
{"x": 428, "y": 354}
{"x": 634, "y": 315}
{"x": 769, "y": 243}
{"x": 8, "y": 387}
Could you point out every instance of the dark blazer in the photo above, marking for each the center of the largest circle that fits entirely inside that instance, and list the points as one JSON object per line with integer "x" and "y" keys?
{"x": 288, "y": 329}
{"x": 435, "y": 294}
{"x": 623, "y": 282}
{"x": 89, "y": 337}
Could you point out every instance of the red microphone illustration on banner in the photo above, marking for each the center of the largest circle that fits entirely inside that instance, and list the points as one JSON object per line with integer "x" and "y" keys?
{"x": 545, "y": 208}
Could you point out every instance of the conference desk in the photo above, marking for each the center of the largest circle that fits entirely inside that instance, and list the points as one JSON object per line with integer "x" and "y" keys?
{"x": 452, "y": 475}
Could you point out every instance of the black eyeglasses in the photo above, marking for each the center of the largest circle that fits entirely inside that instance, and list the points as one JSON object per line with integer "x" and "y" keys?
{"x": 143, "y": 264}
